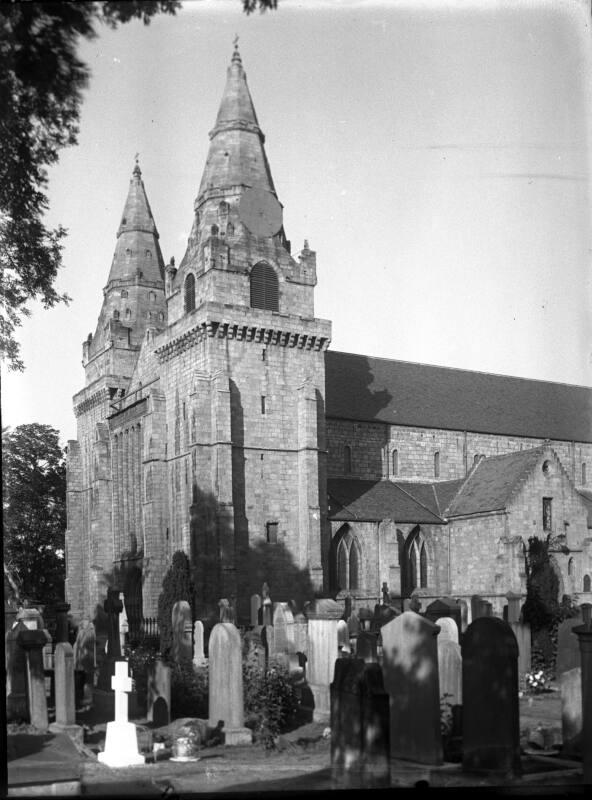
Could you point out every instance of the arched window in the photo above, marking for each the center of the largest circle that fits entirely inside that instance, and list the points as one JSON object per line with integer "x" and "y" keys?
{"x": 586, "y": 583}
{"x": 347, "y": 460}
{"x": 437, "y": 464}
{"x": 124, "y": 292}
{"x": 264, "y": 287}
{"x": 230, "y": 229}
{"x": 415, "y": 563}
{"x": 346, "y": 560}
{"x": 189, "y": 292}
{"x": 395, "y": 462}
{"x": 475, "y": 458}
{"x": 214, "y": 230}
{"x": 584, "y": 472}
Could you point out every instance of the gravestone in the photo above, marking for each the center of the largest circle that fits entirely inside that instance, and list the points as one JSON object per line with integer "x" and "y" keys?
{"x": 226, "y": 610}
{"x": 464, "y": 614}
{"x": 65, "y": 708}
{"x": 123, "y": 623}
{"x": 322, "y": 654}
{"x": 584, "y": 634}
{"x": 450, "y": 676}
{"x": 343, "y": 637}
{"x": 491, "y": 731}
{"x": 61, "y": 632}
{"x": 523, "y": 636}
{"x": 182, "y": 629}
{"x": 513, "y": 609}
{"x": 255, "y": 606}
{"x": 570, "y": 686}
{"x": 226, "y": 684}
{"x": 32, "y": 641}
{"x": 121, "y": 740}
{"x": 16, "y": 675}
{"x": 353, "y": 625}
{"x": 31, "y": 617}
{"x": 266, "y": 610}
{"x": 410, "y": 670}
{"x": 366, "y": 647}
{"x": 283, "y": 624}
{"x": 448, "y": 629}
{"x": 300, "y": 633}
{"x": 444, "y": 607}
{"x": 199, "y": 659}
{"x": 159, "y": 694}
{"x": 85, "y": 657}
{"x": 360, "y": 750}
{"x": 255, "y": 646}
{"x": 568, "y": 652}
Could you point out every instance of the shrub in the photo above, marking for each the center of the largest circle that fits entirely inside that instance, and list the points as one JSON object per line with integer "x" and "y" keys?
{"x": 189, "y": 690}
{"x": 270, "y": 700}
{"x": 140, "y": 658}
{"x": 176, "y": 585}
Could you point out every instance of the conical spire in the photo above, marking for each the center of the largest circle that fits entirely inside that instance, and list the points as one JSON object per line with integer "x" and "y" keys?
{"x": 236, "y": 156}
{"x": 137, "y": 237}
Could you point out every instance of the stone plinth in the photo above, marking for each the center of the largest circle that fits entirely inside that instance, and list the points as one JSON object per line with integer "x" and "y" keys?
{"x": 121, "y": 741}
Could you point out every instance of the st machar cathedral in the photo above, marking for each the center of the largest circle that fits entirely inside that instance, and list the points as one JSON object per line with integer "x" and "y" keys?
{"x": 215, "y": 419}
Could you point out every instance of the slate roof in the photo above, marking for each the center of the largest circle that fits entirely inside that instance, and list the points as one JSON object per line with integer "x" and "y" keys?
{"x": 403, "y": 393}
{"x": 372, "y": 501}
{"x": 490, "y": 483}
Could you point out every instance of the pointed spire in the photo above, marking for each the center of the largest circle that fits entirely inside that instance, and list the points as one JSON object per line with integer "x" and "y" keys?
{"x": 137, "y": 236}
{"x": 235, "y": 133}
{"x": 137, "y": 215}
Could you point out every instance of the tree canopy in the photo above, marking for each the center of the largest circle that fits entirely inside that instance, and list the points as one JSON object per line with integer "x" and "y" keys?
{"x": 41, "y": 88}
{"x": 34, "y": 510}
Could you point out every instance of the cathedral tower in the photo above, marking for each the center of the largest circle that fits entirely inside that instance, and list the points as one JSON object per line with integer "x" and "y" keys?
{"x": 242, "y": 365}
{"x": 133, "y": 306}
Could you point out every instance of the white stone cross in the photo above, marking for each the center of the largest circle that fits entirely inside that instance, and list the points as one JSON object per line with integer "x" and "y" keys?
{"x": 121, "y": 683}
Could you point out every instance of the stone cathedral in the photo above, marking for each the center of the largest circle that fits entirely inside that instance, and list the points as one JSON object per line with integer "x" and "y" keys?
{"x": 216, "y": 420}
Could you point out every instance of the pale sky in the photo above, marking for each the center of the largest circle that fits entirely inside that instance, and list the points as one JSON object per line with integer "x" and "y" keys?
{"x": 436, "y": 155}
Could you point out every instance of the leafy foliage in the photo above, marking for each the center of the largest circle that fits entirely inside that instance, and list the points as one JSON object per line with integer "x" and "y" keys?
{"x": 270, "y": 699}
{"x": 189, "y": 690}
{"x": 176, "y": 586}
{"x": 41, "y": 85}
{"x": 34, "y": 509}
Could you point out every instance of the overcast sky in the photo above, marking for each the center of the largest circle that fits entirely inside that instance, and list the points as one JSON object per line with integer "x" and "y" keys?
{"x": 436, "y": 155}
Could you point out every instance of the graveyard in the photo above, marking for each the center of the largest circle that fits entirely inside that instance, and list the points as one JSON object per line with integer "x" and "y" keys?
{"x": 322, "y": 698}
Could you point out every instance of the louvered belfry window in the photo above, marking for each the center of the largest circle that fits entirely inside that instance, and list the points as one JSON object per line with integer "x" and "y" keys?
{"x": 264, "y": 287}
{"x": 189, "y": 293}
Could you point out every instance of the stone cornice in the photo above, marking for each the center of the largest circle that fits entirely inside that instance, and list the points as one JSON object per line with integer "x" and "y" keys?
{"x": 303, "y": 340}
{"x": 92, "y": 401}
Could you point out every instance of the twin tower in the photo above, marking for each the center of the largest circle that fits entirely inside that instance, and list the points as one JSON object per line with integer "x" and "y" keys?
{"x": 201, "y": 426}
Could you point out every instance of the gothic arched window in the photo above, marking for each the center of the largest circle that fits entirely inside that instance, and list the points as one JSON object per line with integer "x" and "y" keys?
{"x": 264, "y": 287}
{"x": 586, "y": 583}
{"x": 346, "y": 558}
{"x": 415, "y": 563}
{"x": 189, "y": 292}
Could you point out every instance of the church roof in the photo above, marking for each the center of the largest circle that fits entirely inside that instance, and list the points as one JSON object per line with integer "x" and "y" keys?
{"x": 236, "y": 156}
{"x": 371, "y": 501}
{"x": 403, "y": 393}
{"x": 491, "y": 482}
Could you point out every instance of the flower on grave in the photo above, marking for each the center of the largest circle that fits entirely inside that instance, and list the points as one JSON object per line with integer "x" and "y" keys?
{"x": 536, "y": 681}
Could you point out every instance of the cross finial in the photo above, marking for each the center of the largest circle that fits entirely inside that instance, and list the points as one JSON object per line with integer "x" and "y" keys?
{"x": 236, "y": 59}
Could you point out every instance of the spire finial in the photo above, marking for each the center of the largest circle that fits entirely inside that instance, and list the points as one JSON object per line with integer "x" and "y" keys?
{"x": 137, "y": 170}
{"x": 236, "y": 55}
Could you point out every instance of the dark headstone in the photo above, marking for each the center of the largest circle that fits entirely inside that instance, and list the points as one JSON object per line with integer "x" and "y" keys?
{"x": 491, "y": 731}
{"x": 360, "y": 751}
{"x": 410, "y": 669}
{"x": 568, "y": 651}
